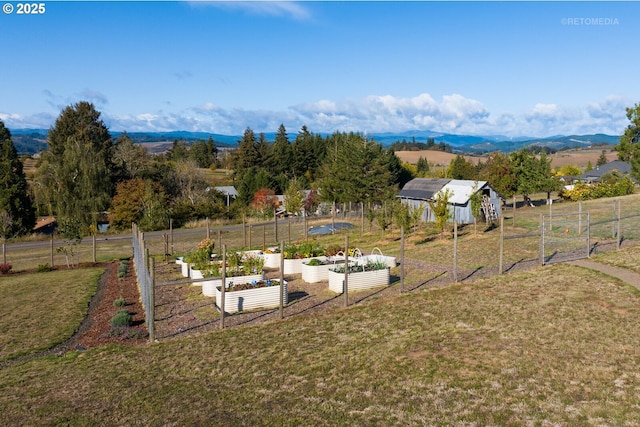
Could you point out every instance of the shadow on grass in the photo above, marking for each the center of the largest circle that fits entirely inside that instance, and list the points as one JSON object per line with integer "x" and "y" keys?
{"x": 430, "y": 281}
{"x": 426, "y": 240}
{"x": 471, "y": 274}
{"x": 518, "y": 263}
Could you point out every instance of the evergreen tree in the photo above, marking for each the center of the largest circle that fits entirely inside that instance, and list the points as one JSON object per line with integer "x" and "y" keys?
{"x": 204, "y": 153}
{"x": 356, "y": 170}
{"x": 263, "y": 148}
{"x": 178, "y": 151}
{"x": 281, "y": 155}
{"x": 246, "y": 156}
{"x": 422, "y": 167}
{"x": 629, "y": 148}
{"x": 589, "y": 166}
{"x": 460, "y": 168}
{"x": 602, "y": 160}
{"x": 75, "y": 176}
{"x": 14, "y": 196}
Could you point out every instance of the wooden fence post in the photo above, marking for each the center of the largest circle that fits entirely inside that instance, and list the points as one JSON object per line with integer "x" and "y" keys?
{"x": 151, "y": 310}
{"x": 346, "y": 271}
{"x": 455, "y": 251}
{"x": 282, "y": 280}
{"x": 224, "y": 284}
{"x": 401, "y": 259}
{"x": 501, "y": 254}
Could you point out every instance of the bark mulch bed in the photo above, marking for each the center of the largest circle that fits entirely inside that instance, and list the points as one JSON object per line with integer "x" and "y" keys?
{"x": 96, "y": 329}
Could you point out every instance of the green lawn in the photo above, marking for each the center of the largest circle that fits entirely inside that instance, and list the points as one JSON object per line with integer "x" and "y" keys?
{"x": 552, "y": 346}
{"x": 38, "y": 311}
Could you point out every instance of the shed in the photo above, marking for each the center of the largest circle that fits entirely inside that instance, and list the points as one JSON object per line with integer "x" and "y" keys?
{"x": 419, "y": 191}
{"x": 228, "y": 190}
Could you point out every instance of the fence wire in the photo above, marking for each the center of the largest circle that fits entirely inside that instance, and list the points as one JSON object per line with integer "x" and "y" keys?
{"x": 145, "y": 279}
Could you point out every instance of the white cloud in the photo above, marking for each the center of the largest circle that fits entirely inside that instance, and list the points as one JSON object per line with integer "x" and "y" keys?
{"x": 372, "y": 114}
{"x": 260, "y": 7}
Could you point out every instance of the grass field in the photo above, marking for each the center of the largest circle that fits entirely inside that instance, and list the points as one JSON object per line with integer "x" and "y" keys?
{"x": 553, "y": 346}
{"x": 549, "y": 346}
{"x": 42, "y": 310}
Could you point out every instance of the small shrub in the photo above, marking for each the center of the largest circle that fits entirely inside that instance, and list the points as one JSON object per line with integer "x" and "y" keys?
{"x": 5, "y": 268}
{"x": 121, "y": 318}
{"x": 44, "y": 268}
{"x": 119, "y": 302}
{"x": 122, "y": 274}
{"x": 125, "y": 332}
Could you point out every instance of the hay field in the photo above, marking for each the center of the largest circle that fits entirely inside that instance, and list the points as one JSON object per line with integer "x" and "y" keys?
{"x": 578, "y": 157}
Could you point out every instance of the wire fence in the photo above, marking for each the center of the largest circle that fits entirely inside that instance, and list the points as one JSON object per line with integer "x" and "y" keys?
{"x": 144, "y": 266}
{"x": 461, "y": 256}
{"x": 535, "y": 236}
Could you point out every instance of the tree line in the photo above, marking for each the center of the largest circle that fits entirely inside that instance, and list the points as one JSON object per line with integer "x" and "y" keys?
{"x": 86, "y": 173}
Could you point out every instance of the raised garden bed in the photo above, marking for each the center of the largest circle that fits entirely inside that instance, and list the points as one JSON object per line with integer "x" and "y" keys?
{"x": 209, "y": 286}
{"x": 318, "y": 270}
{"x": 251, "y": 299}
{"x": 359, "y": 278}
{"x": 271, "y": 258}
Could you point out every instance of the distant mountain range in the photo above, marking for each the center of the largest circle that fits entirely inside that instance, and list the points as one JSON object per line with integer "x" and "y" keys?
{"x": 31, "y": 141}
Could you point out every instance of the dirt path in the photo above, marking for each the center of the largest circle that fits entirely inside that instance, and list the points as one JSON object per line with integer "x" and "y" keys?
{"x": 623, "y": 274}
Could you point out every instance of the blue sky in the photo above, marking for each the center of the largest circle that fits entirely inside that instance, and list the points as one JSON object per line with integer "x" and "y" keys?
{"x": 481, "y": 68}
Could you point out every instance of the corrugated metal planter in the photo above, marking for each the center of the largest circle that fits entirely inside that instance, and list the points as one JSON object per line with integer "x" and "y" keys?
{"x": 252, "y": 299}
{"x": 209, "y": 286}
{"x": 271, "y": 260}
{"x": 184, "y": 267}
{"x": 359, "y": 280}
{"x": 319, "y": 273}
{"x": 390, "y": 261}
{"x": 195, "y": 274}
{"x": 294, "y": 266}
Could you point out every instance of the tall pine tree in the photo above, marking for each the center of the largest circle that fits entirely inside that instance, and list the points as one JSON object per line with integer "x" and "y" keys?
{"x": 14, "y": 196}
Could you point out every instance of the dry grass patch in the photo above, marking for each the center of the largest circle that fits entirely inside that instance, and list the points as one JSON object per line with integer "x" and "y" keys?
{"x": 628, "y": 258}
{"x": 554, "y": 346}
{"x": 42, "y": 310}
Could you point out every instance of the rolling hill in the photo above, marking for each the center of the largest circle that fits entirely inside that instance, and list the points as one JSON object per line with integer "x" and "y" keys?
{"x": 31, "y": 141}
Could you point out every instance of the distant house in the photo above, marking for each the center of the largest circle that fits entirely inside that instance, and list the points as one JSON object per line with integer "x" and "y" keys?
{"x": 594, "y": 175}
{"x": 419, "y": 191}
{"x": 228, "y": 190}
{"x": 45, "y": 225}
